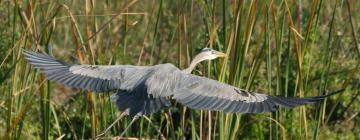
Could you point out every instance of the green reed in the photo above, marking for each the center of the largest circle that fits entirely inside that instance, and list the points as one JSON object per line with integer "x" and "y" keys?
{"x": 285, "y": 48}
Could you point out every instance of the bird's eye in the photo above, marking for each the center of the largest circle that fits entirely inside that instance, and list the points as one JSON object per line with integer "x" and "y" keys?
{"x": 212, "y": 52}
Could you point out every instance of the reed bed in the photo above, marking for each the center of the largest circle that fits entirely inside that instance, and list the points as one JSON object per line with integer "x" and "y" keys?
{"x": 277, "y": 47}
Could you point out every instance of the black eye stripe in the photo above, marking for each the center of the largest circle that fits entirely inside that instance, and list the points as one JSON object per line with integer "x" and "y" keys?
{"x": 206, "y": 49}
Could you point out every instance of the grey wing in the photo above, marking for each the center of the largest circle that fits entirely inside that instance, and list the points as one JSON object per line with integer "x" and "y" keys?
{"x": 203, "y": 93}
{"x": 92, "y": 77}
{"x": 135, "y": 103}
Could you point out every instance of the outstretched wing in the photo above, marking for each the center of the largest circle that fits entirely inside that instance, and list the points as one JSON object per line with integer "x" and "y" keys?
{"x": 203, "y": 93}
{"x": 97, "y": 78}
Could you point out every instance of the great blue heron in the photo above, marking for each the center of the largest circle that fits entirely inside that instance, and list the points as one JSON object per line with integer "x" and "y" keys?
{"x": 141, "y": 90}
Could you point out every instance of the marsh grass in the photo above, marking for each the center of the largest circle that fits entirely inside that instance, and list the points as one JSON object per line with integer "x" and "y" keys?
{"x": 286, "y": 48}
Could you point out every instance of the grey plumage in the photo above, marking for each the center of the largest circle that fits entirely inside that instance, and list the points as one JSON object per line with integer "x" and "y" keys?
{"x": 142, "y": 90}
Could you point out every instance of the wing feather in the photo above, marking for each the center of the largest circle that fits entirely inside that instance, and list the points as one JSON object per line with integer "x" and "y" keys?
{"x": 202, "y": 93}
{"x": 92, "y": 77}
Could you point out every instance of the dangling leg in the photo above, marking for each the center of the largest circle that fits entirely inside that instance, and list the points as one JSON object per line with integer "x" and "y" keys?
{"x": 132, "y": 121}
{"x": 107, "y": 129}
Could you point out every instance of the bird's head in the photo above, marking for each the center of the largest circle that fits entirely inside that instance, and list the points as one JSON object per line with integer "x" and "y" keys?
{"x": 205, "y": 54}
{"x": 210, "y": 54}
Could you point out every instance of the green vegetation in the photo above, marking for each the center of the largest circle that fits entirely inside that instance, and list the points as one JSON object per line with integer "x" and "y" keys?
{"x": 278, "y": 47}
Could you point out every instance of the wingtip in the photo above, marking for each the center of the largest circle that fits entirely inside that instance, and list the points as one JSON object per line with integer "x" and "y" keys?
{"x": 335, "y": 92}
{"x": 323, "y": 97}
{"x": 27, "y": 53}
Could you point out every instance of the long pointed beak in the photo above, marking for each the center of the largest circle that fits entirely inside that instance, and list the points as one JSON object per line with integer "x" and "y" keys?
{"x": 220, "y": 54}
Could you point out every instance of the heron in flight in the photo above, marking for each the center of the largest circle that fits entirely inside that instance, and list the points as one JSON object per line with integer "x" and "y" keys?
{"x": 142, "y": 90}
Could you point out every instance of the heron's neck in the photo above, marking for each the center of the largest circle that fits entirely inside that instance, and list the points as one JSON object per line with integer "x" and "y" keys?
{"x": 193, "y": 64}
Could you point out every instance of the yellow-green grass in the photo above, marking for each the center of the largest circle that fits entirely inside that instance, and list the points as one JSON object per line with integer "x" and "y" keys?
{"x": 277, "y": 47}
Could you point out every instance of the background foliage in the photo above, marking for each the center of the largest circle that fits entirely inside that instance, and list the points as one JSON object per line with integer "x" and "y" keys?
{"x": 278, "y": 47}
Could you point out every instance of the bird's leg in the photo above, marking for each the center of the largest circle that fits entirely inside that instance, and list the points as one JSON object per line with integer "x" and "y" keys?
{"x": 132, "y": 121}
{"x": 107, "y": 129}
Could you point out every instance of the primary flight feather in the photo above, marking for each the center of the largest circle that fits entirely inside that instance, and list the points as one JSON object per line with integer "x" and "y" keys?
{"x": 141, "y": 90}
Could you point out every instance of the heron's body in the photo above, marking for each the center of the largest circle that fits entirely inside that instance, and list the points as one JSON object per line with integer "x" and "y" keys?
{"x": 141, "y": 90}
